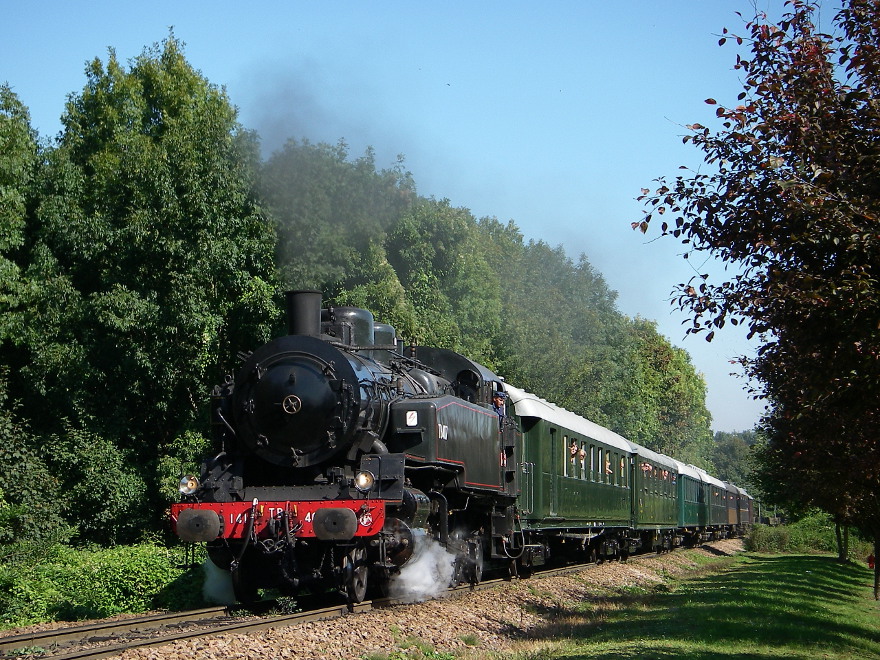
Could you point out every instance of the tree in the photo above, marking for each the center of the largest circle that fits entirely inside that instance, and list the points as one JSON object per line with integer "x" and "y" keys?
{"x": 437, "y": 254}
{"x": 793, "y": 202}
{"x": 154, "y": 262}
{"x": 732, "y": 457}
{"x": 18, "y": 168}
{"x": 674, "y": 419}
{"x": 35, "y": 504}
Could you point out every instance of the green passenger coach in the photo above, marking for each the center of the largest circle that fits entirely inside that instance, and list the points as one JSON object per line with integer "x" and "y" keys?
{"x": 575, "y": 478}
{"x": 655, "y": 500}
{"x": 586, "y": 492}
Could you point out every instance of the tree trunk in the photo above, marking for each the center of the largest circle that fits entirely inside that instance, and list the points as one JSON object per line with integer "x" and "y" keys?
{"x": 845, "y": 556}
{"x": 876, "y": 567}
{"x": 839, "y": 537}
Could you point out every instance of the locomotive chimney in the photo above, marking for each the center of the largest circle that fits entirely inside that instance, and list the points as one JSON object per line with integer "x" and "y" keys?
{"x": 304, "y": 313}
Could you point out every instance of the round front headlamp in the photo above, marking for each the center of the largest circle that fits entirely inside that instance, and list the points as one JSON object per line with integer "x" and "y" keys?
{"x": 188, "y": 485}
{"x": 364, "y": 481}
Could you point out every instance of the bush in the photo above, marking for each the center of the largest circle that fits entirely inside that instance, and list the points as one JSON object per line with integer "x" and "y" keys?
{"x": 70, "y": 584}
{"x": 768, "y": 539}
{"x": 812, "y": 533}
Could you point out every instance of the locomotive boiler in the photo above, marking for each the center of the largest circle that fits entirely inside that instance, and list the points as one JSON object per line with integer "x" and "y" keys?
{"x": 340, "y": 453}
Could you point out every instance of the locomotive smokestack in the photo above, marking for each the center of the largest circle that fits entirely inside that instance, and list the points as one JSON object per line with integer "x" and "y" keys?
{"x": 304, "y": 313}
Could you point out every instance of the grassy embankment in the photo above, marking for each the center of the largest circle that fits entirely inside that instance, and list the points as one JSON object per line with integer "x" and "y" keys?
{"x": 757, "y": 606}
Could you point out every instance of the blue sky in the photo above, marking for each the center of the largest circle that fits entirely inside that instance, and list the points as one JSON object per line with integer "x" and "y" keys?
{"x": 552, "y": 114}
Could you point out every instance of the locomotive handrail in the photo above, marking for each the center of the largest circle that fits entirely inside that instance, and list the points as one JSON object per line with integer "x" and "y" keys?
{"x": 365, "y": 347}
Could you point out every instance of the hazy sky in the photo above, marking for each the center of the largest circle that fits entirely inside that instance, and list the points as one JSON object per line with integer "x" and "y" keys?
{"x": 553, "y": 114}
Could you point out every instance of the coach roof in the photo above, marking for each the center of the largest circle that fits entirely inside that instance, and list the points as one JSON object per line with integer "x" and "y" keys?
{"x": 530, "y": 405}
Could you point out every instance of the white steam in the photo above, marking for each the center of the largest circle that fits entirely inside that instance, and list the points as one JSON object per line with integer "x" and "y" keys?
{"x": 426, "y": 575}
{"x": 218, "y": 585}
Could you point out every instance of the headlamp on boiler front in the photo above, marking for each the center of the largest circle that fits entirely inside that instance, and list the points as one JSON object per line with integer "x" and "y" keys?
{"x": 188, "y": 485}
{"x": 364, "y": 480}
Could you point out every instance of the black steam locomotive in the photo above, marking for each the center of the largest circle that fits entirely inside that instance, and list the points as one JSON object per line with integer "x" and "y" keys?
{"x": 343, "y": 453}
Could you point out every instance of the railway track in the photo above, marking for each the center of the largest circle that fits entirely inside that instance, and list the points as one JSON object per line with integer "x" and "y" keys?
{"x": 105, "y": 639}
{"x": 110, "y": 638}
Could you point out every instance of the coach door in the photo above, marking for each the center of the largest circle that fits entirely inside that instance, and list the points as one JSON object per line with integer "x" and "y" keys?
{"x": 526, "y": 480}
{"x": 554, "y": 466}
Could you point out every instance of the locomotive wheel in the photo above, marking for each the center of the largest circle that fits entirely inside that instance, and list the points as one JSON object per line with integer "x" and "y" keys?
{"x": 458, "y": 572}
{"x": 356, "y": 575}
{"x": 475, "y": 552}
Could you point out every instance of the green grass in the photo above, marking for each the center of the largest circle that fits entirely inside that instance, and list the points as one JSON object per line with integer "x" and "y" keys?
{"x": 757, "y": 607}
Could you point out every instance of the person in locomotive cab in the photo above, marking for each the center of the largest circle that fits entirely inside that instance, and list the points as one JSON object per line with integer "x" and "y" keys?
{"x": 498, "y": 406}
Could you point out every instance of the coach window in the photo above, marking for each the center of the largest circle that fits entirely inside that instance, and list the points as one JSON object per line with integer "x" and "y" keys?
{"x": 623, "y": 471}
{"x": 592, "y": 462}
{"x": 599, "y": 465}
{"x": 568, "y": 461}
{"x": 582, "y": 459}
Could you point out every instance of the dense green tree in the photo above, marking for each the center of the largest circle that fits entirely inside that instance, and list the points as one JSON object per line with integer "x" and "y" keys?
{"x": 793, "y": 202}
{"x": 564, "y": 339}
{"x": 552, "y": 307}
{"x": 153, "y": 260}
{"x": 32, "y": 506}
{"x": 732, "y": 456}
{"x": 436, "y": 253}
{"x": 18, "y": 168}
{"x": 669, "y": 400}
{"x": 34, "y": 501}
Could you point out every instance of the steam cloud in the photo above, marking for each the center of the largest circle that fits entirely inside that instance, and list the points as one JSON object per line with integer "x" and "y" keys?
{"x": 217, "y": 587}
{"x": 425, "y": 576}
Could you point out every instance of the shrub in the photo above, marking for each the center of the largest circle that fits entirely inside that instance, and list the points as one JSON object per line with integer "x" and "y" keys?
{"x": 71, "y": 584}
{"x": 812, "y": 533}
{"x": 768, "y": 539}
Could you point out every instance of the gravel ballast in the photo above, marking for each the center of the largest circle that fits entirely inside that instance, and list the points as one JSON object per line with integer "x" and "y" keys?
{"x": 476, "y": 624}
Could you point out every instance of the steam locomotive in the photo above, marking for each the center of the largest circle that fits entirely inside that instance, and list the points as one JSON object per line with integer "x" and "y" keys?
{"x": 341, "y": 453}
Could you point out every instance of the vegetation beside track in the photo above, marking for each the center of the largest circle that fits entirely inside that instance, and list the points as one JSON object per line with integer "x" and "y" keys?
{"x": 812, "y": 533}
{"x": 59, "y": 583}
{"x": 756, "y": 606}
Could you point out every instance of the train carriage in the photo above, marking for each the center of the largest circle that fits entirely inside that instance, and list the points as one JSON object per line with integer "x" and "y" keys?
{"x": 655, "y": 499}
{"x": 745, "y": 513}
{"x": 575, "y": 481}
{"x": 693, "y": 506}
{"x": 731, "y": 501}
{"x": 716, "y": 494}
